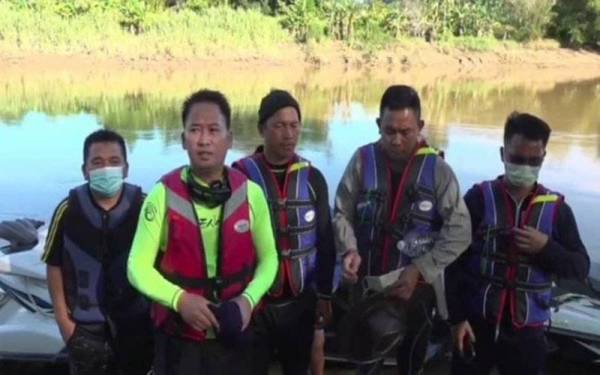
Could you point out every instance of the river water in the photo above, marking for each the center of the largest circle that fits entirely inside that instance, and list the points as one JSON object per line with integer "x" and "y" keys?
{"x": 45, "y": 117}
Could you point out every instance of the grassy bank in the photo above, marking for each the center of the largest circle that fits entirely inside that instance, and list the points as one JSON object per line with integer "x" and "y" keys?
{"x": 220, "y": 31}
{"x": 286, "y": 30}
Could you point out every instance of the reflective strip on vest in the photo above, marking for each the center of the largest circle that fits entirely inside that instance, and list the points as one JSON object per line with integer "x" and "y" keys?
{"x": 238, "y": 197}
{"x": 180, "y": 206}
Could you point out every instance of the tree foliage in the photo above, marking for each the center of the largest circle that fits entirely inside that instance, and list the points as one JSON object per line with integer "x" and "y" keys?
{"x": 574, "y": 22}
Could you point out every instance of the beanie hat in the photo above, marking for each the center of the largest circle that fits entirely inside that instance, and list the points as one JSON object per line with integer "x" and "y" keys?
{"x": 273, "y": 102}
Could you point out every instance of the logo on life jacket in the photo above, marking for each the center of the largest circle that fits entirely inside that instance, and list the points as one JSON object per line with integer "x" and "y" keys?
{"x": 401, "y": 245}
{"x": 150, "y": 212}
{"x": 425, "y": 206}
{"x": 241, "y": 226}
{"x": 309, "y": 216}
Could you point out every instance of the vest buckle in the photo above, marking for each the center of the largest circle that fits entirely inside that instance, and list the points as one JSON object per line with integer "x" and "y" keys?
{"x": 279, "y": 203}
{"x": 399, "y": 228}
{"x": 412, "y": 193}
{"x": 218, "y": 283}
{"x": 217, "y": 286}
{"x": 510, "y": 284}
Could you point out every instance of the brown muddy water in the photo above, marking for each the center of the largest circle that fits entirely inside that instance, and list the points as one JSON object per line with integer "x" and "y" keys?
{"x": 44, "y": 118}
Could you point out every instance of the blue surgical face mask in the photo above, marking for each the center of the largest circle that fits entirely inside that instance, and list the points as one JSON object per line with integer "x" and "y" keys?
{"x": 106, "y": 182}
{"x": 521, "y": 175}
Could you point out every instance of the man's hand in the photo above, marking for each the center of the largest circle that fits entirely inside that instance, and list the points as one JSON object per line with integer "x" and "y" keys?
{"x": 195, "y": 312}
{"x": 406, "y": 283}
{"x": 530, "y": 240}
{"x": 350, "y": 266}
{"x": 459, "y": 332}
{"x": 67, "y": 328}
{"x": 245, "y": 310}
{"x": 61, "y": 311}
{"x": 323, "y": 313}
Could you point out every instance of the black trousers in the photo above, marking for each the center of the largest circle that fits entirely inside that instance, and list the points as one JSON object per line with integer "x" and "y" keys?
{"x": 412, "y": 352}
{"x": 516, "y": 352}
{"x": 90, "y": 351}
{"x": 97, "y": 350}
{"x": 284, "y": 330}
{"x": 177, "y": 356}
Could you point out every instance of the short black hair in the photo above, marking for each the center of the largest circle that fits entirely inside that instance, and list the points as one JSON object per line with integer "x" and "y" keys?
{"x": 207, "y": 96}
{"x": 273, "y": 102}
{"x": 100, "y": 136}
{"x": 529, "y": 126}
{"x": 400, "y": 97}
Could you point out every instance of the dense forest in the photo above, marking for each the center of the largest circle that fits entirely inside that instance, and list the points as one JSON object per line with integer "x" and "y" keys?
{"x": 198, "y": 26}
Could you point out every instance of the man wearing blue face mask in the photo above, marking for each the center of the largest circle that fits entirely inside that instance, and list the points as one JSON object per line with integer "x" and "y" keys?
{"x": 104, "y": 322}
{"x": 524, "y": 236}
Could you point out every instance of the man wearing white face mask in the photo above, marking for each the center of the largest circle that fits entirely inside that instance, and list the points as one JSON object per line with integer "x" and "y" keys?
{"x": 524, "y": 235}
{"x": 104, "y": 322}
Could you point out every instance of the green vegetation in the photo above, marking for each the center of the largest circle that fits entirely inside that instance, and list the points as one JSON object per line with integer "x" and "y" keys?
{"x": 184, "y": 28}
{"x": 577, "y": 22}
{"x": 136, "y": 29}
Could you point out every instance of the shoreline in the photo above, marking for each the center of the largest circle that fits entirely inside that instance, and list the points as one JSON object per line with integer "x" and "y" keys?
{"x": 423, "y": 59}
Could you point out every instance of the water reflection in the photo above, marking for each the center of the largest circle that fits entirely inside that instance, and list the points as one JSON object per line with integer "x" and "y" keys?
{"x": 44, "y": 119}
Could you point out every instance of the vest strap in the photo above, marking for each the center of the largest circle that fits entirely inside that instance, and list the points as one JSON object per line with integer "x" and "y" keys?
{"x": 397, "y": 229}
{"x": 510, "y": 259}
{"x": 212, "y": 284}
{"x": 518, "y": 285}
{"x": 297, "y": 253}
{"x": 296, "y": 230}
{"x": 284, "y": 203}
{"x": 489, "y": 232}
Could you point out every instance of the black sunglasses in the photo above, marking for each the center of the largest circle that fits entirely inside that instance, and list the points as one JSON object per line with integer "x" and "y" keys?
{"x": 520, "y": 160}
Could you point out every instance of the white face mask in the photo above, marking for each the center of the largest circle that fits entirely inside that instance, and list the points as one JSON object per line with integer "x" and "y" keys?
{"x": 521, "y": 175}
{"x": 106, "y": 182}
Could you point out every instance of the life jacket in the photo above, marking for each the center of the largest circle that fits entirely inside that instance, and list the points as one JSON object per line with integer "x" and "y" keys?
{"x": 391, "y": 231}
{"x": 510, "y": 280}
{"x": 183, "y": 261}
{"x": 97, "y": 244}
{"x": 293, "y": 213}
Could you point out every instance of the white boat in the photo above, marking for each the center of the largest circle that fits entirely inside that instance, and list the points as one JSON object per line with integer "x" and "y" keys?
{"x": 574, "y": 330}
{"x": 28, "y": 330}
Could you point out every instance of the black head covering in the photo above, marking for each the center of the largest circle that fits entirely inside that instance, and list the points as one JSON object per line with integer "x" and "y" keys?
{"x": 273, "y": 102}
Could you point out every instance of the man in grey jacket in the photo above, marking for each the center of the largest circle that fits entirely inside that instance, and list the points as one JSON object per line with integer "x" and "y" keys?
{"x": 398, "y": 207}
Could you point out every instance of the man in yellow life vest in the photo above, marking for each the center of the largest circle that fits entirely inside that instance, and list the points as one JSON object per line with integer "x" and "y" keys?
{"x": 204, "y": 250}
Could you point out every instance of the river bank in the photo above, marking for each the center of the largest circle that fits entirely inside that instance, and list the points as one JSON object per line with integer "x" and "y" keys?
{"x": 542, "y": 61}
